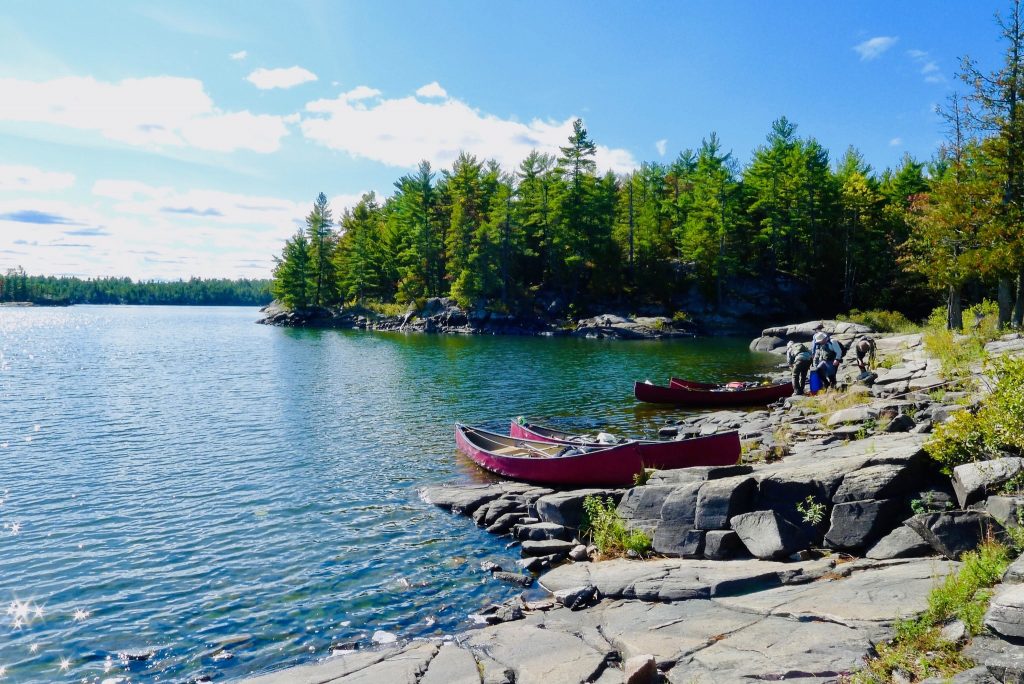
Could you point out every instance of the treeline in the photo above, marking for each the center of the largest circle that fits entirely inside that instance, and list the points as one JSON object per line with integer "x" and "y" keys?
{"x": 18, "y": 286}
{"x": 553, "y": 229}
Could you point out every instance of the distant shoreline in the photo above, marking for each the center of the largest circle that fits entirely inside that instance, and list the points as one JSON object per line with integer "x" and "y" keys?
{"x": 48, "y": 305}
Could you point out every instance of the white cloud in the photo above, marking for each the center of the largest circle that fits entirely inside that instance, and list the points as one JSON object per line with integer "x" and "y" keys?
{"x": 158, "y": 111}
{"x": 431, "y": 90}
{"x": 209, "y": 206}
{"x": 360, "y": 93}
{"x": 896, "y": 142}
{"x": 402, "y": 131}
{"x": 929, "y": 68}
{"x": 239, "y": 56}
{"x": 32, "y": 179}
{"x": 266, "y": 79}
{"x": 661, "y": 146}
{"x": 874, "y": 47}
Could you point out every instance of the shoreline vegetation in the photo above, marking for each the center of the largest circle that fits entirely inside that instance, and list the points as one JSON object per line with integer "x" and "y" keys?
{"x": 17, "y": 288}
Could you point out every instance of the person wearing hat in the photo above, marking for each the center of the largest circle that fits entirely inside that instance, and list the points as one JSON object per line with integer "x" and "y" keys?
{"x": 824, "y": 359}
{"x": 799, "y": 358}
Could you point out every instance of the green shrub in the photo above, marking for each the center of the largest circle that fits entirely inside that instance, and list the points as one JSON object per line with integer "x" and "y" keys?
{"x": 956, "y": 353}
{"x": 608, "y": 531}
{"x": 956, "y": 442}
{"x": 962, "y": 595}
{"x": 384, "y": 308}
{"x": 982, "y": 320}
{"x": 996, "y": 427}
{"x": 882, "y": 321}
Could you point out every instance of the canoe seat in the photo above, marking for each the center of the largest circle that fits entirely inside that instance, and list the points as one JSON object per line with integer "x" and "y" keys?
{"x": 504, "y": 451}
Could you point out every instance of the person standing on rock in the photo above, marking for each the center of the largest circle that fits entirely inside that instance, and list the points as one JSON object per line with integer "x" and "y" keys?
{"x": 865, "y": 349}
{"x": 799, "y": 358}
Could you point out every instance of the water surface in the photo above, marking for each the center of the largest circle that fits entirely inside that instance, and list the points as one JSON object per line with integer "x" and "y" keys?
{"x": 233, "y": 498}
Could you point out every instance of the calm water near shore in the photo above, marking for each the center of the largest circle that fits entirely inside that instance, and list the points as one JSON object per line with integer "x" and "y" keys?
{"x": 234, "y": 497}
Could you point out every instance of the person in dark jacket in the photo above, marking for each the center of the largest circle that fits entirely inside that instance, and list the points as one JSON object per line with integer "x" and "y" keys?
{"x": 799, "y": 358}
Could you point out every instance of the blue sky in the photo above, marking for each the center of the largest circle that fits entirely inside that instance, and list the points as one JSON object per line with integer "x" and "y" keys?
{"x": 166, "y": 140}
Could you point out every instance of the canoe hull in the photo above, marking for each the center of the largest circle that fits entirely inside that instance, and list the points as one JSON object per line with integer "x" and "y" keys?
{"x": 687, "y": 396}
{"x": 710, "y": 450}
{"x": 614, "y": 466}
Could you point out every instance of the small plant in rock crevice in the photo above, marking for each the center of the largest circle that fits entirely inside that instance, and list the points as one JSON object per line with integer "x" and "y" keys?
{"x": 782, "y": 437}
{"x": 812, "y": 511}
{"x": 608, "y": 531}
{"x": 641, "y": 478}
{"x": 928, "y": 504}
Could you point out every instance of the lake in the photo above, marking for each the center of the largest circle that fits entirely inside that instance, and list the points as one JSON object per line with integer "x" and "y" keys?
{"x": 186, "y": 493}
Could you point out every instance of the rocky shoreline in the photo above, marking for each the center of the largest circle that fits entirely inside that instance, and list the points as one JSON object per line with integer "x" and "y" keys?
{"x": 441, "y": 315}
{"x": 746, "y": 584}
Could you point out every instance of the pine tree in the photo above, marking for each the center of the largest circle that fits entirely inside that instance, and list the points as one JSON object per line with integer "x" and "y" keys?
{"x": 291, "y": 284}
{"x": 321, "y": 238}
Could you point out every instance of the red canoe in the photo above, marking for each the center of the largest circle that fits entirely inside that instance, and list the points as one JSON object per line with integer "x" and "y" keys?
{"x": 710, "y": 450}
{"x": 539, "y": 462}
{"x": 681, "y": 395}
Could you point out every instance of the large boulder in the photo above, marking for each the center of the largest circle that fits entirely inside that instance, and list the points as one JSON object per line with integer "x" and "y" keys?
{"x": 856, "y": 525}
{"x": 547, "y": 547}
{"x": 642, "y": 504}
{"x": 1003, "y": 660}
{"x": 681, "y": 476}
{"x": 767, "y": 535}
{"x": 874, "y": 482}
{"x": 723, "y": 545}
{"x": 974, "y": 481}
{"x": 540, "y": 531}
{"x": 692, "y": 545}
{"x": 678, "y": 514}
{"x": 953, "y": 533}
{"x": 767, "y": 343}
{"x": 465, "y": 500}
{"x": 1008, "y": 510}
{"x": 903, "y": 542}
{"x": 1015, "y": 573}
{"x": 1005, "y": 614}
{"x": 720, "y": 500}
{"x": 566, "y": 508}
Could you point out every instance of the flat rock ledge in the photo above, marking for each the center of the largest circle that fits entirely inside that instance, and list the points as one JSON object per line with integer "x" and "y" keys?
{"x": 701, "y": 621}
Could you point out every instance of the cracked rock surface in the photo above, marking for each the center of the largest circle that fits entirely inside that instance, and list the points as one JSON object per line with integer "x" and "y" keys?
{"x": 702, "y": 621}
